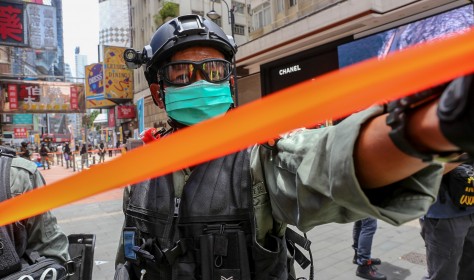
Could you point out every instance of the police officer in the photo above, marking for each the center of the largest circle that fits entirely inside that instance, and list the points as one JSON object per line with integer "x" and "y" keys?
{"x": 39, "y": 236}
{"x": 226, "y": 218}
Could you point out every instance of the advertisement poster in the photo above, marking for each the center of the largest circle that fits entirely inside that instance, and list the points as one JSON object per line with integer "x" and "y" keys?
{"x": 94, "y": 87}
{"x": 41, "y": 97}
{"x": 118, "y": 79}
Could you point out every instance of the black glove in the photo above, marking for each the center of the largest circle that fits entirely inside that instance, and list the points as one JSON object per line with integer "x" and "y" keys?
{"x": 456, "y": 113}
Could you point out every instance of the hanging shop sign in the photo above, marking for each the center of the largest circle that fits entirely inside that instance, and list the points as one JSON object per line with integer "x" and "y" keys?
{"x": 126, "y": 112}
{"x": 41, "y": 97}
{"x": 118, "y": 79}
{"x": 94, "y": 87}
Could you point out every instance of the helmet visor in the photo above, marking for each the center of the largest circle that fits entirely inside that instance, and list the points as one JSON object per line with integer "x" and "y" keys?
{"x": 182, "y": 73}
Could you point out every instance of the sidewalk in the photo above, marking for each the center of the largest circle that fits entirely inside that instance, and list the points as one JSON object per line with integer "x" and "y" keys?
{"x": 400, "y": 248}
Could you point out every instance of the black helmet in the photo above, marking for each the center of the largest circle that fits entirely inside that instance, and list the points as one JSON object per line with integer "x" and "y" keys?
{"x": 178, "y": 34}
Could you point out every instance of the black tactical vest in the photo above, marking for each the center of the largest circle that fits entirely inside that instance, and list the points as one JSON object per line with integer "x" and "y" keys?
{"x": 206, "y": 233}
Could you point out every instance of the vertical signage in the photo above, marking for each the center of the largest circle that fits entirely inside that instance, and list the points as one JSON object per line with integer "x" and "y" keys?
{"x": 12, "y": 97}
{"x": 94, "y": 87}
{"x": 112, "y": 117}
{"x": 141, "y": 115}
{"x": 42, "y": 30}
{"x": 118, "y": 79}
{"x": 74, "y": 98}
{"x": 12, "y": 31}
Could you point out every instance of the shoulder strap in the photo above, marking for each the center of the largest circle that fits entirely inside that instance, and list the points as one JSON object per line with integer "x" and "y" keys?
{"x": 6, "y": 156}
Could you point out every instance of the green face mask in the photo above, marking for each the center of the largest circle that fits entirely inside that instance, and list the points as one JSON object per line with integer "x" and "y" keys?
{"x": 197, "y": 102}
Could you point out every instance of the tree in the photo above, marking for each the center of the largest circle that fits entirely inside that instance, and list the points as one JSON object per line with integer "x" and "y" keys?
{"x": 88, "y": 120}
{"x": 169, "y": 10}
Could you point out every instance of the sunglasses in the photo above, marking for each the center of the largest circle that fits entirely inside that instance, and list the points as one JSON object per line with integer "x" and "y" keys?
{"x": 183, "y": 73}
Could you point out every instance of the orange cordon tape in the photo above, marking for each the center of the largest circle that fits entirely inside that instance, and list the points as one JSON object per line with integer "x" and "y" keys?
{"x": 332, "y": 95}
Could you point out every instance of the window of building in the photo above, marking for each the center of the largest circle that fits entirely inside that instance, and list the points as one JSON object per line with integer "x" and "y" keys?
{"x": 261, "y": 15}
{"x": 293, "y": 3}
{"x": 280, "y": 6}
{"x": 239, "y": 29}
{"x": 239, "y": 8}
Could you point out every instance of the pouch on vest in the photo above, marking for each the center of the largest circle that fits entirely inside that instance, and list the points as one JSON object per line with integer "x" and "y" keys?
{"x": 9, "y": 260}
{"x": 224, "y": 253}
{"x": 81, "y": 250}
{"x": 43, "y": 269}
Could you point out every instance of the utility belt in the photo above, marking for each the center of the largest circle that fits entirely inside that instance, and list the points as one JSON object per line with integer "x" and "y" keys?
{"x": 220, "y": 252}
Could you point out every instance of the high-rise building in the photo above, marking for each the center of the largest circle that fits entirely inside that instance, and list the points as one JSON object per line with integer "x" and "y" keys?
{"x": 81, "y": 62}
{"x": 114, "y": 23}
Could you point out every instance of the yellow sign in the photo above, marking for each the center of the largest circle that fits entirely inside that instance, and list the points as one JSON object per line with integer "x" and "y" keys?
{"x": 94, "y": 87}
{"x": 118, "y": 79}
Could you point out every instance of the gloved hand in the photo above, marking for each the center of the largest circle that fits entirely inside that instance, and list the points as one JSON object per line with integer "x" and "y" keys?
{"x": 456, "y": 113}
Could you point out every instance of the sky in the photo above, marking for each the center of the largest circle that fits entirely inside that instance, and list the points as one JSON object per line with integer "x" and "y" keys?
{"x": 81, "y": 29}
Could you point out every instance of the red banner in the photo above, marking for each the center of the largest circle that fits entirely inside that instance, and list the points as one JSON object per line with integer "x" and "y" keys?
{"x": 13, "y": 97}
{"x": 126, "y": 112}
{"x": 112, "y": 117}
{"x": 20, "y": 132}
{"x": 74, "y": 98}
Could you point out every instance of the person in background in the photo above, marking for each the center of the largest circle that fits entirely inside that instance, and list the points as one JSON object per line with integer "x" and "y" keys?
{"x": 67, "y": 155}
{"x": 24, "y": 151}
{"x": 84, "y": 156}
{"x": 448, "y": 227}
{"x": 110, "y": 147}
{"x": 44, "y": 156}
{"x": 101, "y": 152}
{"x": 363, "y": 235}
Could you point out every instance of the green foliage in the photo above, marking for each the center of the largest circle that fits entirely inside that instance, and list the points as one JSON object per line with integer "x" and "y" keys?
{"x": 88, "y": 119}
{"x": 169, "y": 10}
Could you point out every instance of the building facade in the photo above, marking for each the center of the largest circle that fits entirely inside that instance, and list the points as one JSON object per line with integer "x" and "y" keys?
{"x": 280, "y": 34}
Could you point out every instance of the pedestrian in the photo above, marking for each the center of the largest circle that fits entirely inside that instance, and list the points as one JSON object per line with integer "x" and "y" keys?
{"x": 44, "y": 153}
{"x": 448, "y": 227}
{"x": 84, "y": 156}
{"x": 110, "y": 147}
{"x": 67, "y": 155}
{"x": 101, "y": 152}
{"x": 362, "y": 235}
{"x": 36, "y": 243}
{"x": 226, "y": 218}
{"x": 24, "y": 151}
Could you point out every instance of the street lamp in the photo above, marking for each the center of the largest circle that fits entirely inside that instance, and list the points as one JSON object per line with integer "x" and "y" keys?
{"x": 212, "y": 14}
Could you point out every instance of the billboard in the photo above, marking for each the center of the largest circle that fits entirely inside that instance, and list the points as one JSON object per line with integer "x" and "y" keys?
{"x": 427, "y": 29}
{"x": 42, "y": 30}
{"x": 94, "y": 87}
{"x": 41, "y": 97}
{"x": 12, "y": 31}
{"x": 118, "y": 79}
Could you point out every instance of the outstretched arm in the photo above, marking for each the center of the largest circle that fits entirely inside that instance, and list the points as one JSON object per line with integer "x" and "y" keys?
{"x": 379, "y": 162}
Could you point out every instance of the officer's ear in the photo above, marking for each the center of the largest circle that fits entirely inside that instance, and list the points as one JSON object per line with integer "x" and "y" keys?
{"x": 155, "y": 94}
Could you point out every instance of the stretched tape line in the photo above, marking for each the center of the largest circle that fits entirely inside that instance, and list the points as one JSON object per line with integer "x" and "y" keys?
{"x": 332, "y": 95}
